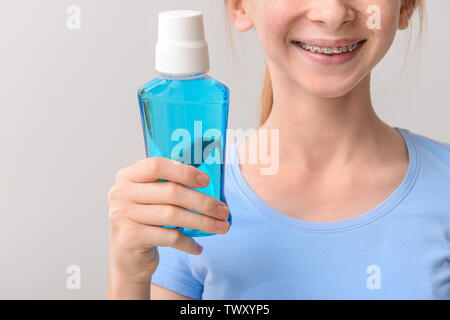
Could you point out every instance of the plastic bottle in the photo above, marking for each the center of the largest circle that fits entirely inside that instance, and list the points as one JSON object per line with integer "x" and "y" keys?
{"x": 184, "y": 111}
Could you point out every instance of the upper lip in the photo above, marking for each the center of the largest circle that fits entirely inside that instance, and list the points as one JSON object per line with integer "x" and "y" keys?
{"x": 328, "y": 43}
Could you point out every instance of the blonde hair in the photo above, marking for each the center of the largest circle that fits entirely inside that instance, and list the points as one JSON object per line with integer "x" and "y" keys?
{"x": 267, "y": 90}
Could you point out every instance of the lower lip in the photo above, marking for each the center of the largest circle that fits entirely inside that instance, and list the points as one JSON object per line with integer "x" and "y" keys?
{"x": 335, "y": 59}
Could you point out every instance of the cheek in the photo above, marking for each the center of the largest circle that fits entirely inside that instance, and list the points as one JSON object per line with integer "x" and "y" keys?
{"x": 389, "y": 18}
{"x": 274, "y": 23}
{"x": 383, "y": 37}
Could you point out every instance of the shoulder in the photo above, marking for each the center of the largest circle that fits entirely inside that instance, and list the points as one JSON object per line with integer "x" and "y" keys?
{"x": 432, "y": 164}
{"x": 433, "y": 182}
{"x": 434, "y": 150}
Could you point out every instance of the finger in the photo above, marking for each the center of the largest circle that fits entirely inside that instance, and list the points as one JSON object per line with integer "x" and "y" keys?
{"x": 170, "y": 215}
{"x": 177, "y": 194}
{"x": 150, "y": 236}
{"x": 155, "y": 168}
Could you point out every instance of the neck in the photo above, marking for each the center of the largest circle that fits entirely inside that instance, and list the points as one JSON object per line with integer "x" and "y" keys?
{"x": 316, "y": 132}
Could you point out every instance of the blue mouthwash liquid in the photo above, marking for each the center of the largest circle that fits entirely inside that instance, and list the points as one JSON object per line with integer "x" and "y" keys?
{"x": 184, "y": 118}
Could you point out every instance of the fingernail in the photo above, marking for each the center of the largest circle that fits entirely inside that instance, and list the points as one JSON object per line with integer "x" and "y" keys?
{"x": 222, "y": 224}
{"x": 222, "y": 211}
{"x": 199, "y": 248}
{"x": 202, "y": 179}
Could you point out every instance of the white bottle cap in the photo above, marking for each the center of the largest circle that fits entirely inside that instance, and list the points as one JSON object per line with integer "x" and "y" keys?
{"x": 181, "y": 46}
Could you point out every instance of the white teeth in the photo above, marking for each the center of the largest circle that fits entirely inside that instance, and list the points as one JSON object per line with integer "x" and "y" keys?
{"x": 329, "y": 50}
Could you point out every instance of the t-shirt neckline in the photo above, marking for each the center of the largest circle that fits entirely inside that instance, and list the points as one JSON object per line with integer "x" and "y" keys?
{"x": 294, "y": 224}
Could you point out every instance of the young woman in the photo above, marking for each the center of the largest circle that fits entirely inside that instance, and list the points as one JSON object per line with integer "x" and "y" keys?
{"x": 357, "y": 209}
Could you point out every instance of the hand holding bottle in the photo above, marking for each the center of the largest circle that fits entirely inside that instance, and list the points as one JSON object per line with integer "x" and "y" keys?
{"x": 139, "y": 205}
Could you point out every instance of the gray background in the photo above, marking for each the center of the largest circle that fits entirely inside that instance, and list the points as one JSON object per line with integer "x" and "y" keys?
{"x": 69, "y": 120}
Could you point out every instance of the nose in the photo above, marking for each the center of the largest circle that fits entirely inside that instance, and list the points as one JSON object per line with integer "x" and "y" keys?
{"x": 331, "y": 13}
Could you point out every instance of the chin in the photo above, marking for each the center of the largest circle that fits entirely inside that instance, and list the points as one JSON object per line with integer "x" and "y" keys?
{"x": 328, "y": 87}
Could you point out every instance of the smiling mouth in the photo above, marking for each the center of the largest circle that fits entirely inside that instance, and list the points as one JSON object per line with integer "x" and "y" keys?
{"x": 329, "y": 51}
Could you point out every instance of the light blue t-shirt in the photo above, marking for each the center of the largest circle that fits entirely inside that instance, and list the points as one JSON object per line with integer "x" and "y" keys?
{"x": 398, "y": 250}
